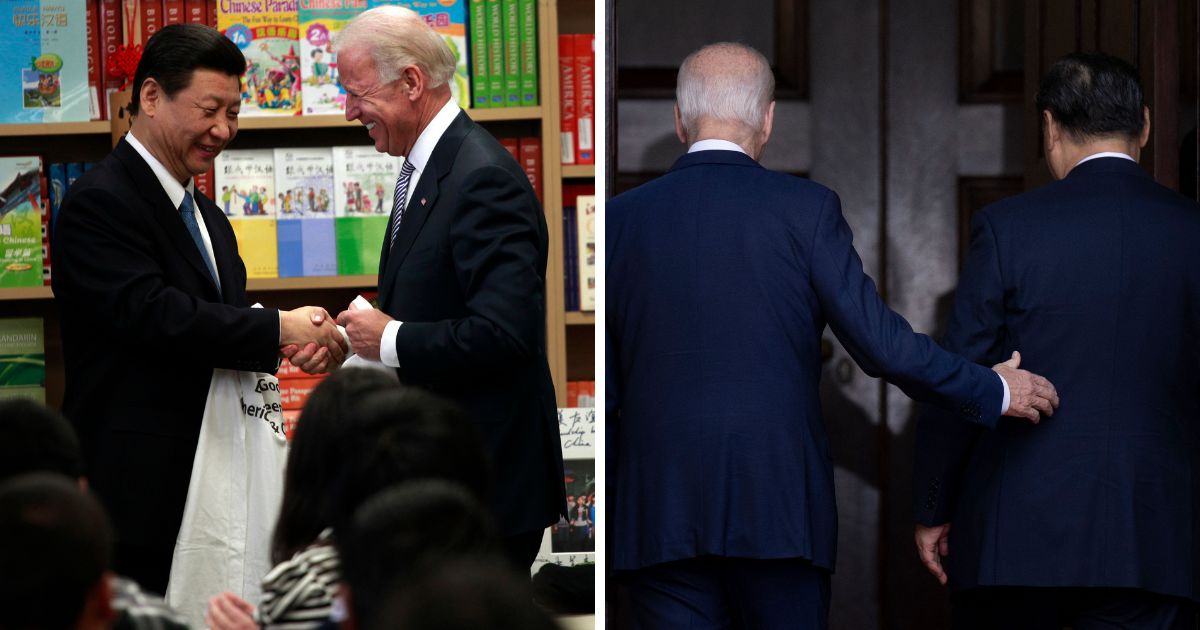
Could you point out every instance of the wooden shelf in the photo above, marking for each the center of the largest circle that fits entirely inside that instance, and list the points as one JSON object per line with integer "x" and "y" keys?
{"x": 56, "y": 129}
{"x": 26, "y": 293}
{"x": 317, "y": 282}
{"x": 580, "y": 318}
{"x": 338, "y": 120}
{"x": 579, "y": 170}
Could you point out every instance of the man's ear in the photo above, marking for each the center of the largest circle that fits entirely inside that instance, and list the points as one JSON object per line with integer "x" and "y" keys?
{"x": 679, "y": 130}
{"x": 413, "y": 82}
{"x": 1145, "y": 128}
{"x": 149, "y": 97}
{"x": 768, "y": 122}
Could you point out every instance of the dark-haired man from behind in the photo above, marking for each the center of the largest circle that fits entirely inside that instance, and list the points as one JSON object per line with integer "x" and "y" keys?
{"x": 152, "y": 295}
{"x": 1090, "y": 521}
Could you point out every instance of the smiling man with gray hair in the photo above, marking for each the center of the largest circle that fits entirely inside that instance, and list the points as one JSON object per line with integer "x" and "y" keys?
{"x": 721, "y": 276}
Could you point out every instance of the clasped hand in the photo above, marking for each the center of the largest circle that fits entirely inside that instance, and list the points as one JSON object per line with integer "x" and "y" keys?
{"x": 310, "y": 339}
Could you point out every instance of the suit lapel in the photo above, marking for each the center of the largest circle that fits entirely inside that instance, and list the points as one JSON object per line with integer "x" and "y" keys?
{"x": 151, "y": 191}
{"x": 223, "y": 250}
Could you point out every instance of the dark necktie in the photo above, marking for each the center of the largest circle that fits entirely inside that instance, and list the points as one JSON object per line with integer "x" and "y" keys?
{"x": 187, "y": 210}
{"x": 398, "y": 198}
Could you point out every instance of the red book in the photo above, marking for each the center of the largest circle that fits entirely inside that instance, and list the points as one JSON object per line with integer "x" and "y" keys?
{"x": 531, "y": 161}
{"x": 195, "y": 12}
{"x": 131, "y": 19}
{"x": 111, "y": 36}
{"x": 566, "y": 97}
{"x": 173, "y": 12}
{"x": 585, "y": 81}
{"x": 204, "y": 183}
{"x": 211, "y": 16}
{"x": 293, "y": 392}
{"x": 95, "y": 76}
{"x": 152, "y": 18}
{"x": 510, "y": 144}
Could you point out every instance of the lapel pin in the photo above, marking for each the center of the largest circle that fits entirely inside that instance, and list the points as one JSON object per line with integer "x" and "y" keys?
{"x": 422, "y": 201}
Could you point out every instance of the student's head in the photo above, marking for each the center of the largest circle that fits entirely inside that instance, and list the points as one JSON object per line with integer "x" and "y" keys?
{"x": 396, "y": 71}
{"x": 725, "y": 91}
{"x": 1089, "y": 99}
{"x": 317, "y": 454}
{"x": 55, "y": 549}
{"x": 186, "y": 97}
{"x": 405, "y": 530}
{"x": 35, "y": 438}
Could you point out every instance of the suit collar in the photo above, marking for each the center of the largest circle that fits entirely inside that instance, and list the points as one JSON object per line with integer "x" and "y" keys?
{"x": 732, "y": 158}
{"x": 1113, "y": 165}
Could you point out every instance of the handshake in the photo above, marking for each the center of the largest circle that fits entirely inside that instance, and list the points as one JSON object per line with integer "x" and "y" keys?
{"x": 311, "y": 340}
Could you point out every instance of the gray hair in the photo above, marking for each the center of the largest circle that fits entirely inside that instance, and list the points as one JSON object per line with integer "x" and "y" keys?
{"x": 727, "y": 82}
{"x": 397, "y": 37}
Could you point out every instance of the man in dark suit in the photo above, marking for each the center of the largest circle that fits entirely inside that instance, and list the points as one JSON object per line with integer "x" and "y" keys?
{"x": 152, "y": 296}
{"x": 1091, "y": 521}
{"x": 462, "y": 275}
{"x": 721, "y": 276}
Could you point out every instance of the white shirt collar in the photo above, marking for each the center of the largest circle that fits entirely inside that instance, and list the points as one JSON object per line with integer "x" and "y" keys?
{"x": 173, "y": 188}
{"x": 1105, "y": 154}
{"x": 715, "y": 144}
{"x": 423, "y": 148}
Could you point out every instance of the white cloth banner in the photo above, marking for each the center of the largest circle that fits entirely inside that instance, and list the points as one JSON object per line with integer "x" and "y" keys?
{"x": 233, "y": 499}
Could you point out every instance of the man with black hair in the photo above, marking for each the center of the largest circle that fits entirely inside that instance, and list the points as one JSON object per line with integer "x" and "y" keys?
{"x": 152, "y": 295}
{"x": 1089, "y": 521}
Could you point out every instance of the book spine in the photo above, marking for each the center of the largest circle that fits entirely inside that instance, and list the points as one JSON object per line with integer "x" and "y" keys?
{"x": 95, "y": 76}
{"x": 210, "y": 16}
{"x": 152, "y": 18}
{"x": 513, "y": 146}
{"x": 195, "y": 12}
{"x": 512, "y": 52}
{"x": 527, "y": 20}
{"x": 480, "y": 95}
{"x": 585, "y": 72}
{"x": 131, "y": 15}
{"x": 531, "y": 161}
{"x": 566, "y": 97}
{"x": 173, "y": 12}
{"x": 495, "y": 55}
{"x": 570, "y": 262}
{"x": 111, "y": 36}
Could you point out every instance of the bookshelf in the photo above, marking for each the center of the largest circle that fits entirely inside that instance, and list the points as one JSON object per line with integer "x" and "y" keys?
{"x": 570, "y": 336}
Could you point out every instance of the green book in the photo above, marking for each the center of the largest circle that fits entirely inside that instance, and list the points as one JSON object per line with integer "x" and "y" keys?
{"x": 22, "y": 358}
{"x": 512, "y": 52}
{"x": 20, "y": 222}
{"x": 359, "y": 240}
{"x": 527, "y": 18}
{"x": 363, "y": 183}
{"x": 495, "y": 52}
{"x": 479, "y": 55}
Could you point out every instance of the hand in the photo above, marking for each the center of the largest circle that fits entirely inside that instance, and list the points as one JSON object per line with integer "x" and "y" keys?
{"x": 229, "y": 612}
{"x": 932, "y": 544}
{"x": 365, "y": 327}
{"x": 310, "y": 339}
{"x": 1028, "y": 393}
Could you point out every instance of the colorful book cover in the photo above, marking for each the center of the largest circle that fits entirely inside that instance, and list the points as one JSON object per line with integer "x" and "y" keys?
{"x": 510, "y": 27}
{"x": 22, "y": 358}
{"x": 477, "y": 34}
{"x": 248, "y": 176}
{"x": 494, "y": 23}
{"x": 319, "y": 22}
{"x": 585, "y": 208}
{"x": 270, "y": 39}
{"x": 527, "y": 23}
{"x": 44, "y": 62}
{"x": 449, "y": 18}
{"x": 304, "y": 192}
{"x": 363, "y": 182}
{"x": 20, "y": 221}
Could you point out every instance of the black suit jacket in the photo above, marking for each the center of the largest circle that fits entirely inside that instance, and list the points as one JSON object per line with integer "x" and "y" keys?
{"x": 143, "y": 327}
{"x": 467, "y": 276}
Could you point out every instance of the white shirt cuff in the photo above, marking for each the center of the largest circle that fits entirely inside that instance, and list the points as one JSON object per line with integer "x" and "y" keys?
{"x": 1003, "y": 403}
{"x": 387, "y": 349}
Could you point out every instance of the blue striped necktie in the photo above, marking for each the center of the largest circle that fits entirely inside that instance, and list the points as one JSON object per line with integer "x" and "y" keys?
{"x": 398, "y": 198}
{"x": 187, "y": 210}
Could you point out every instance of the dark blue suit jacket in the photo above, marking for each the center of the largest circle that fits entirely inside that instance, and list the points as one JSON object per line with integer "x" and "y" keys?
{"x": 720, "y": 278}
{"x": 1096, "y": 280}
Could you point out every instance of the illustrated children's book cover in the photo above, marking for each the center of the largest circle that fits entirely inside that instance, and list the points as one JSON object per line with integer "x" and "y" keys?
{"x": 245, "y": 191}
{"x": 320, "y": 21}
{"x": 20, "y": 221}
{"x": 304, "y": 196}
{"x": 268, "y": 33}
{"x": 43, "y": 62}
{"x": 363, "y": 180}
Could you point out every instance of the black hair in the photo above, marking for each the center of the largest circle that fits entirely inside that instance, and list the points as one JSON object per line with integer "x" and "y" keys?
{"x": 175, "y": 52}
{"x": 406, "y": 530}
{"x": 1093, "y": 95}
{"x": 35, "y": 438}
{"x": 318, "y": 451}
{"x": 55, "y": 546}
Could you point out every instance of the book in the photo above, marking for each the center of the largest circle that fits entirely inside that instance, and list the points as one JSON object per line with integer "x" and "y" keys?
{"x": 570, "y": 261}
{"x": 173, "y": 12}
{"x": 97, "y": 107}
{"x": 585, "y": 99}
{"x": 477, "y": 35}
{"x": 319, "y": 23}
{"x": 569, "y": 110}
{"x": 269, "y": 37}
{"x": 530, "y": 159}
{"x": 511, "y": 37}
{"x": 250, "y": 176}
{"x": 449, "y": 19}
{"x": 45, "y": 56}
{"x": 303, "y": 188}
{"x": 152, "y": 18}
{"x": 56, "y": 173}
{"x": 20, "y": 221}
{"x": 111, "y": 36}
{"x": 528, "y": 50}
{"x": 494, "y": 23}
{"x": 585, "y": 208}
{"x": 512, "y": 145}
{"x": 195, "y": 12}
{"x": 363, "y": 182}
{"x": 23, "y": 358}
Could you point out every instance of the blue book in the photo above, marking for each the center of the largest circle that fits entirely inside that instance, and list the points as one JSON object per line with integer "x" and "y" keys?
{"x": 570, "y": 261}
{"x": 304, "y": 199}
{"x": 45, "y": 62}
